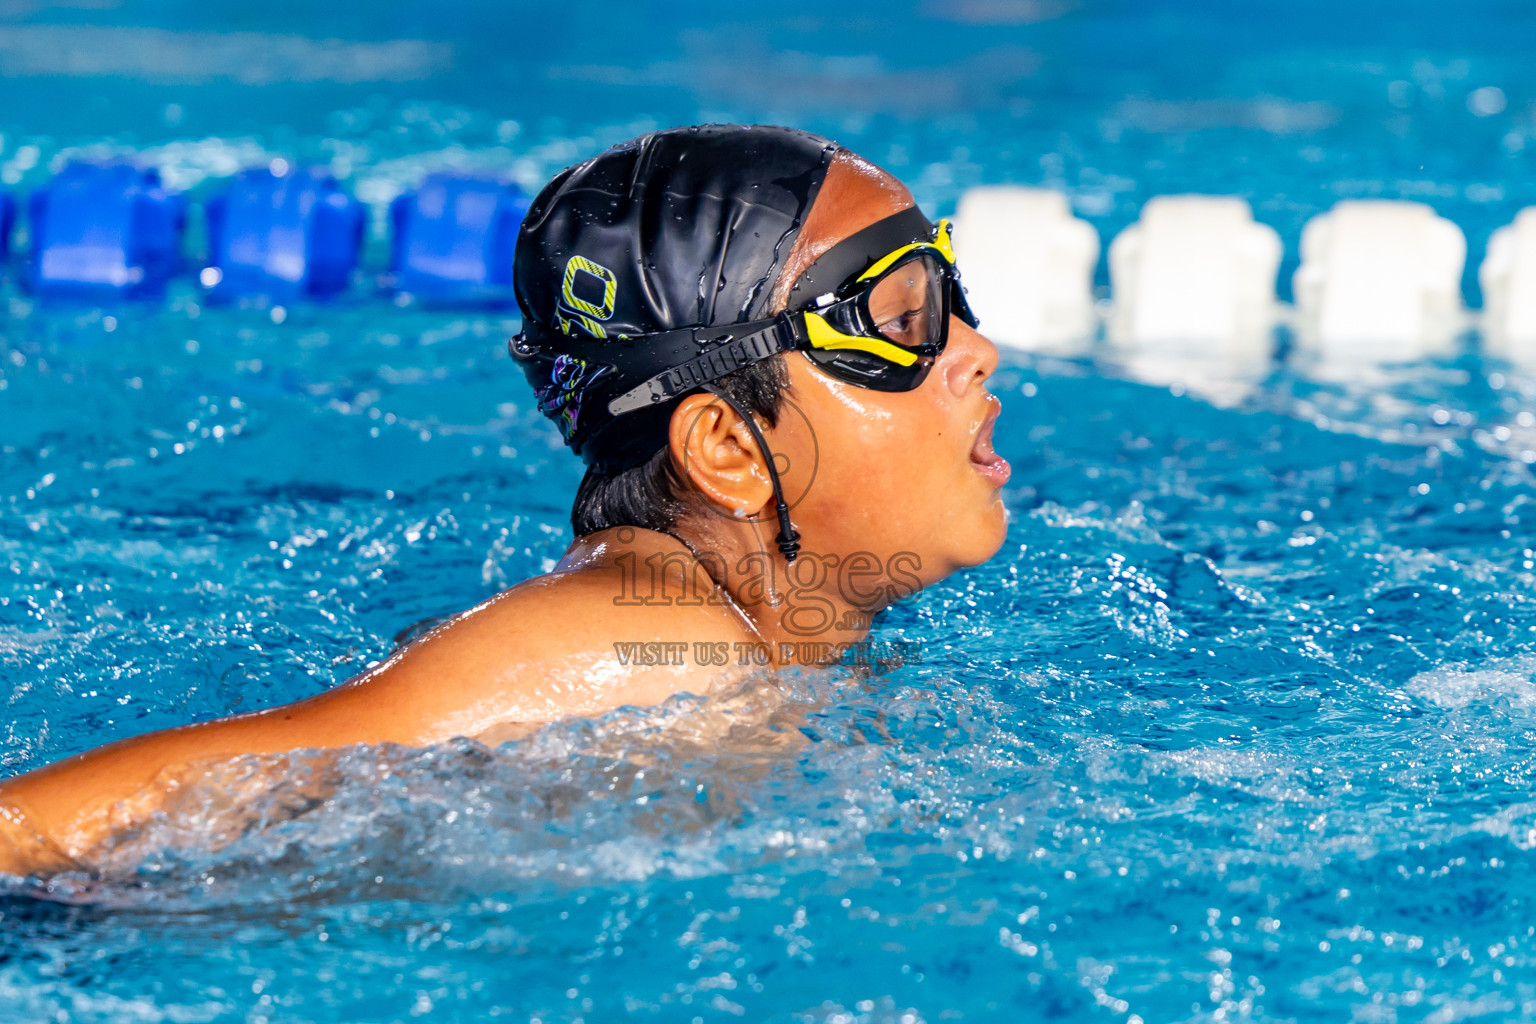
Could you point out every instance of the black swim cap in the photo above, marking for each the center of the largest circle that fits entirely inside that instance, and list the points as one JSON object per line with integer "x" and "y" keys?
{"x": 688, "y": 227}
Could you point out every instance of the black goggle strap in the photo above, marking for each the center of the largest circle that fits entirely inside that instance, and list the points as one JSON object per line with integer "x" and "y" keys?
{"x": 716, "y": 353}
{"x": 672, "y": 363}
{"x": 855, "y": 254}
{"x": 789, "y": 539}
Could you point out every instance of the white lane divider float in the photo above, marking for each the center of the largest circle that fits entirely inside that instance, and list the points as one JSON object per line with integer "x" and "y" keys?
{"x": 1508, "y": 279}
{"x": 1379, "y": 281}
{"x": 1028, "y": 267}
{"x": 1195, "y": 273}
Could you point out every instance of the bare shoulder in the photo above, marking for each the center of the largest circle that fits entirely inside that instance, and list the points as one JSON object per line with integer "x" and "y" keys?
{"x": 596, "y": 609}
{"x": 575, "y": 642}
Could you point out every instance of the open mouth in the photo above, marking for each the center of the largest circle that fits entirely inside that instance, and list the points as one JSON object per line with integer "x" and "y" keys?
{"x": 987, "y": 462}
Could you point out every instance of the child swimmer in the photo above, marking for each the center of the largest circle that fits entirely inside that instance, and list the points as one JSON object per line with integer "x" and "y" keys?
{"x": 760, "y": 349}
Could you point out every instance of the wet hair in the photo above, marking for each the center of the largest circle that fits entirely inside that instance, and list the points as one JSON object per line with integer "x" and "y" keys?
{"x": 654, "y": 495}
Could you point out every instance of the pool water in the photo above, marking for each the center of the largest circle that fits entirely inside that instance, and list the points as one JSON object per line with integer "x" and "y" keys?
{"x": 1239, "y": 725}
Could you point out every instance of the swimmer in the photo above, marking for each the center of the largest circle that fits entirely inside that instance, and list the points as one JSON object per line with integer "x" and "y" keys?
{"x": 760, "y": 348}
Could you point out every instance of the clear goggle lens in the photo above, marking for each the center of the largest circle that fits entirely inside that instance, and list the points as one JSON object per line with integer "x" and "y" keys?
{"x": 906, "y": 306}
{"x": 888, "y": 335}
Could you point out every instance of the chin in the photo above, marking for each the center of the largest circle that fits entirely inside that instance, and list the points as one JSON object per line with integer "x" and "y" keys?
{"x": 976, "y": 545}
{"x": 989, "y": 536}
{"x": 986, "y": 552}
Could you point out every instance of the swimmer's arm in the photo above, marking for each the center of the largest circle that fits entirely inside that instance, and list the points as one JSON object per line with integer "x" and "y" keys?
{"x": 54, "y": 816}
{"x": 508, "y": 663}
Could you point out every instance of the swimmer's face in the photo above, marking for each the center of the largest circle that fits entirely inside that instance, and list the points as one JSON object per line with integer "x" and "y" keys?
{"x": 895, "y": 472}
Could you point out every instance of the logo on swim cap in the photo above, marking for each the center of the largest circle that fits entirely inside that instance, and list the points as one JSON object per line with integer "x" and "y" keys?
{"x": 587, "y": 293}
{"x": 560, "y": 399}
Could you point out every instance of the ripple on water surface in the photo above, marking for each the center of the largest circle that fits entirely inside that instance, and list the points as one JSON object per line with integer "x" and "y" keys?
{"x": 1239, "y": 721}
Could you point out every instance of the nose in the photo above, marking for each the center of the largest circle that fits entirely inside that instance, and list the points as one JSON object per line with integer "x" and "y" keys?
{"x": 969, "y": 358}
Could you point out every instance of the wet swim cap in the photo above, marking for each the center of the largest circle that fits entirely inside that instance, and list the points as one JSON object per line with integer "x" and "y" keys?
{"x": 688, "y": 227}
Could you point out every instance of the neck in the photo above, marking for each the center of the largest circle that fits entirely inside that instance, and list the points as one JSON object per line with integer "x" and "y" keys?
{"x": 805, "y": 613}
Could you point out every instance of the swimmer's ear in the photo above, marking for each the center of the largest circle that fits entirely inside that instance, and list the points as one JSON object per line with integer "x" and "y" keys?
{"x": 714, "y": 451}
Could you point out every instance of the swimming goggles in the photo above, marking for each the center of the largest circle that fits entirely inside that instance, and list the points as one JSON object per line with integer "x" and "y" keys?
{"x": 872, "y": 311}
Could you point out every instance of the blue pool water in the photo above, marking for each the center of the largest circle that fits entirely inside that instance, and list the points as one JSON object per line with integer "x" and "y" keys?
{"x": 1239, "y": 725}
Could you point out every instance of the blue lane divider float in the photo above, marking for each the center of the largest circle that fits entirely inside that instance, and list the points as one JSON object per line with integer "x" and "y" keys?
{"x": 453, "y": 239}
{"x": 282, "y": 233}
{"x": 105, "y": 231}
{"x": 7, "y": 222}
